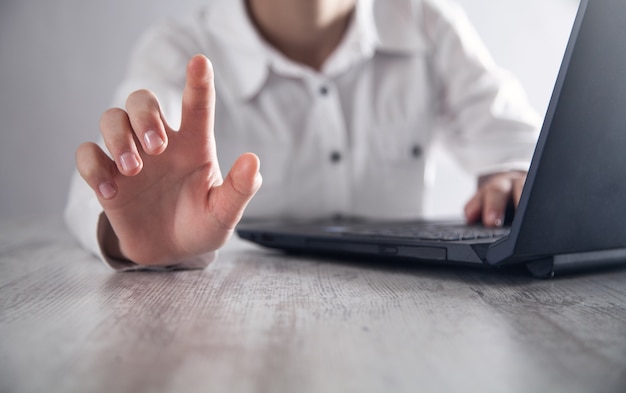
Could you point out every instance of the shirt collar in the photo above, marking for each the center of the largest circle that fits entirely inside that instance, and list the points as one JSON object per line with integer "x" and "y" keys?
{"x": 245, "y": 59}
{"x": 395, "y": 25}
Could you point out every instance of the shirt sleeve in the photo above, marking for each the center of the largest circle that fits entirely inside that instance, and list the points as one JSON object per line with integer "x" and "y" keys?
{"x": 488, "y": 123}
{"x": 158, "y": 63}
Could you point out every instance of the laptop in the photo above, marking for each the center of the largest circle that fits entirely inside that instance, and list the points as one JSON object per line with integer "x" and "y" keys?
{"x": 572, "y": 212}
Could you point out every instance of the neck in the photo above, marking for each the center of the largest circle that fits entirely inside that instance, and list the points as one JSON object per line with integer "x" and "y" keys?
{"x": 305, "y": 31}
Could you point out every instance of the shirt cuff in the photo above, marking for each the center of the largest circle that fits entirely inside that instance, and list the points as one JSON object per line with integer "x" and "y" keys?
{"x": 521, "y": 166}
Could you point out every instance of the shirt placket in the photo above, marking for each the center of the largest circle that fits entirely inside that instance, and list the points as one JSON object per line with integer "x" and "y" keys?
{"x": 334, "y": 148}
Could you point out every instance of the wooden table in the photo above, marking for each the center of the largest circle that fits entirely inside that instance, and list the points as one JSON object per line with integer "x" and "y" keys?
{"x": 261, "y": 321}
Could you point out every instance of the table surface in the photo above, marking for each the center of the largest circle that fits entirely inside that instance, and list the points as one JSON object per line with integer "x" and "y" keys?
{"x": 262, "y": 321}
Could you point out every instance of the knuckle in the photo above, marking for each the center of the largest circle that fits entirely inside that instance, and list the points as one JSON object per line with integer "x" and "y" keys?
{"x": 86, "y": 160}
{"x": 82, "y": 153}
{"x": 110, "y": 116}
{"x": 140, "y": 96}
{"x": 143, "y": 109}
{"x": 499, "y": 184}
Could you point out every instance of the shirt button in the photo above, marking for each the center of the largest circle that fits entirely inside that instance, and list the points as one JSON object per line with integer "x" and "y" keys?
{"x": 323, "y": 90}
{"x": 335, "y": 157}
{"x": 416, "y": 151}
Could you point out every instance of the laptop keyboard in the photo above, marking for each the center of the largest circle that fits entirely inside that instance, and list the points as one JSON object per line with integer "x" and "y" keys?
{"x": 427, "y": 232}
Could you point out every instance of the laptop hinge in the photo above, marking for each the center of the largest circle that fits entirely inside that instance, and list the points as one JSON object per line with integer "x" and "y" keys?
{"x": 568, "y": 263}
{"x": 591, "y": 259}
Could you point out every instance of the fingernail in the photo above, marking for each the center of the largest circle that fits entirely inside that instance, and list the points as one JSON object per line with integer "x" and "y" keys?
{"x": 494, "y": 218}
{"x": 107, "y": 189}
{"x": 129, "y": 161}
{"x": 153, "y": 140}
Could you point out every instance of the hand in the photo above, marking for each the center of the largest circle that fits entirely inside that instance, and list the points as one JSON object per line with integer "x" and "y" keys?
{"x": 163, "y": 194}
{"x": 494, "y": 193}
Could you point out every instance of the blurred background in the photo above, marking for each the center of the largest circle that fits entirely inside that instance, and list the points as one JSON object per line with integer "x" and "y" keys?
{"x": 60, "y": 62}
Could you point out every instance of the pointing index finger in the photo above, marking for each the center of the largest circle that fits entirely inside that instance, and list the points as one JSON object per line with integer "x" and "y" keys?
{"x": 198, "y": 97}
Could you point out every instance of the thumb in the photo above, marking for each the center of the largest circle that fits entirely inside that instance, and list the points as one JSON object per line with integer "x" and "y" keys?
{"x": 238, "y": 188}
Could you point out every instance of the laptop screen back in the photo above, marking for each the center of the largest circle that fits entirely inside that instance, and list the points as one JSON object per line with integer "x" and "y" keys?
{"x": 576, "y": 202}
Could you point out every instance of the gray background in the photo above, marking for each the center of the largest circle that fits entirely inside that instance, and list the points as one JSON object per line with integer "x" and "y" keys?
{"x": 60, "y": 62}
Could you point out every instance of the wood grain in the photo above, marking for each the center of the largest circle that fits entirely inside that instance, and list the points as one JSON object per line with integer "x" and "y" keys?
{"x": 261, "y": 321}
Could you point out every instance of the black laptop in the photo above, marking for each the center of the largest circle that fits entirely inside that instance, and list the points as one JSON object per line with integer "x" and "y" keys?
{"x": 572, "y": 213}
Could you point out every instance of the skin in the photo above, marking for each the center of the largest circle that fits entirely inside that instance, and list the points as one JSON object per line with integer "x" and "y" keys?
{"x": 495, "y": 192}
{"x": 163, "y": 195}
{"x": 305, "y": 31}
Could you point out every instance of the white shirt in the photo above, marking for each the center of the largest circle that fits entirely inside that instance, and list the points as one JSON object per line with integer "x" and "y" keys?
{"x": 353, "y": 139}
